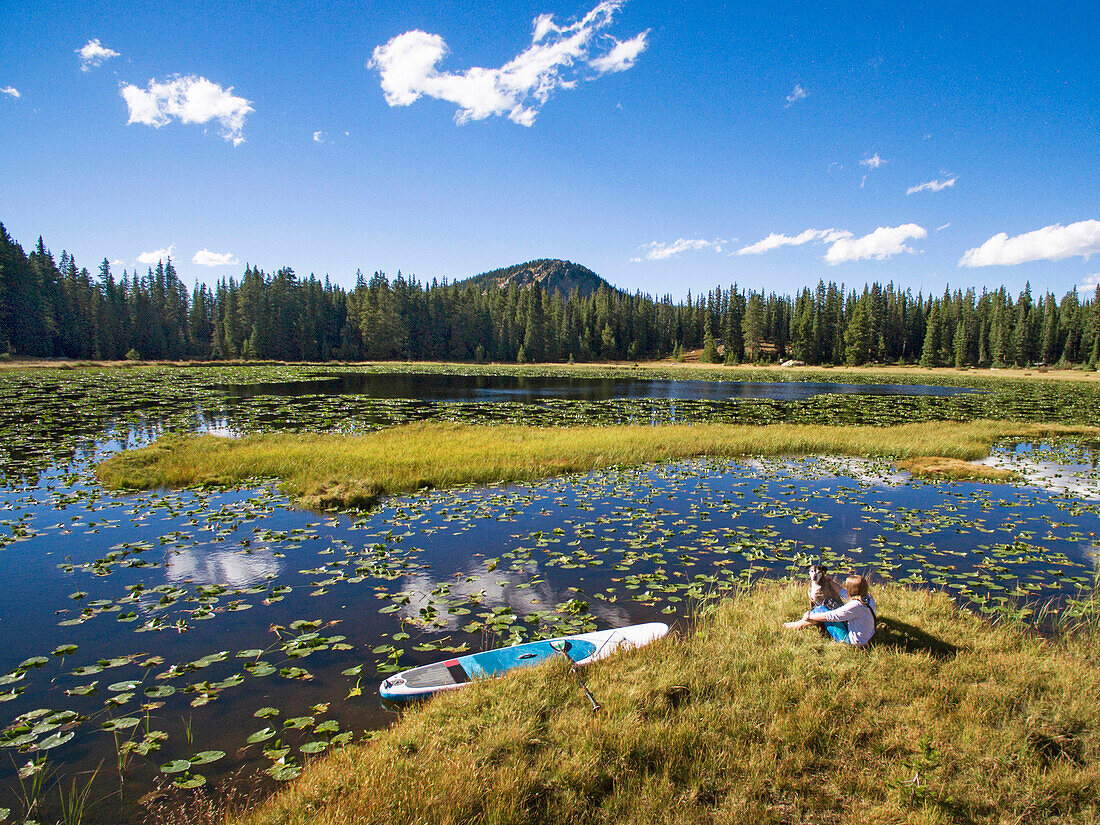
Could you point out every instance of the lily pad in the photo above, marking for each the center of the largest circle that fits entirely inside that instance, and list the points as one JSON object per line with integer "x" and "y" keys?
{"x": 122, "y": 723}
{"x": 190, "y": 781}
{"x": 59, "y": 738}
{"x": 261, "y": 735}
{"x": 205, "y": 757}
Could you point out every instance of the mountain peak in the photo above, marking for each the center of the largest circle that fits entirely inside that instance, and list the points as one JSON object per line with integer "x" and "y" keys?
{"x": 551, "y": 274}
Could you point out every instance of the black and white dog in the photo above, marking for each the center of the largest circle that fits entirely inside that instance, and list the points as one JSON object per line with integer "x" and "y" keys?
{"x": 823, "y": 590}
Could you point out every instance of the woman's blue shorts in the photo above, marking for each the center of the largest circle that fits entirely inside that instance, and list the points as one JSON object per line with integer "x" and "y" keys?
{"x": 838, "y": 630}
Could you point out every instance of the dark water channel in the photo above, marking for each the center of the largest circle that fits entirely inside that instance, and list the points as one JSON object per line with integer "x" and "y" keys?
{"x": 531, "y": 389}
{"x": 183, "y": 636}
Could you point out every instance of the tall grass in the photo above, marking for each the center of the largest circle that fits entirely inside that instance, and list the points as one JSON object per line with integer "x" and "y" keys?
{"x": 340, "y": 470}
{"x": 946, "y": 718}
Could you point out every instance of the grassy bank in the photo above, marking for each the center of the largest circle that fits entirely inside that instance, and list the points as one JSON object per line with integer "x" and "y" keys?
{"x": 946, "y": 718}
{"x": 665, "y": 368}
{"x": 339, "y": 470}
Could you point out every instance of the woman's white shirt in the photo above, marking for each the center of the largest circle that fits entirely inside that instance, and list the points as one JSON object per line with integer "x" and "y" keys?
{"x": 860, "y": 619}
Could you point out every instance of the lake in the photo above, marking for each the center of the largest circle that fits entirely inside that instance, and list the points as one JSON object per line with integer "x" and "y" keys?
{"x": 181, "y": 636}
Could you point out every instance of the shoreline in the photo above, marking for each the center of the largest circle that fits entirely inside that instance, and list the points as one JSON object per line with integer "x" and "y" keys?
{"x": 1074, "y": 373}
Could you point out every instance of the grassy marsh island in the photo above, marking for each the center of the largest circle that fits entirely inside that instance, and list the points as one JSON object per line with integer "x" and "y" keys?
{"x": 334, "y": 470}
{"x": 946, "y": 718}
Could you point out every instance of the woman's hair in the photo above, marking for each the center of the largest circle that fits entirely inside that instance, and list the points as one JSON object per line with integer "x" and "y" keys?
{"x": 856, "y": 586}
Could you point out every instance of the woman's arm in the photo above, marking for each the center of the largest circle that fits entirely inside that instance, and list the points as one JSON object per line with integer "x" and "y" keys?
{"x": 842, "y": 614}
{"x": 799, "y": 624}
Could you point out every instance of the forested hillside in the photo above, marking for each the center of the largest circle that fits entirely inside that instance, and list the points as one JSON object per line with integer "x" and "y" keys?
{"x": 551, "y": 275}
{"x": 54, "y": 307}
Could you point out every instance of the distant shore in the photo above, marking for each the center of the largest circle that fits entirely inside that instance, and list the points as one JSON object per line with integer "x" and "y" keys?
{"x": 691, "y": 364}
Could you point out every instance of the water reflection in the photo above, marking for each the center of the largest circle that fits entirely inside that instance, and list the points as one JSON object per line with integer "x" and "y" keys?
{"x": 215, "y": 565}
{"x": 519, "y": 589}
{"x": 864, "y": 471}
{"x": 1069, "y": 471}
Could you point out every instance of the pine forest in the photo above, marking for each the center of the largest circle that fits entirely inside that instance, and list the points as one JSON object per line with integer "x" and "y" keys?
{"x": 55, "y": 308}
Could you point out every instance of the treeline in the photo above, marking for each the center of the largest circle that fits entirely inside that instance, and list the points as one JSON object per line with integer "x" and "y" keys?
{"x": 54, "y": 308}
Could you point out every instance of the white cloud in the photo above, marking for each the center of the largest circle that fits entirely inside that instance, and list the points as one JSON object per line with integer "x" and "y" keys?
{"x": 774, "y": 240}
{"x": 931, "y": 186}
{"x": 884, "y": 242}
{"x": 1089, "y": 284}
{"x": 10, "y": 91}
{"x": 318, "y": 137}
{"x": 941, "y": 228}
{"x": 873, "y": 162}
{"x": 797, "y": 94}
{"x": 407, "y": 65}
{"x": 1051, "y": 243}
{"x": 622, "y": 56}
{"x": 93, "y": 53}
{"x": 204, "y": 257}
{"x": 191, "y": 99}
{"x": 118, "y": 262}
{"x": 658, "y": 251}
{"x": 156, "y": 255}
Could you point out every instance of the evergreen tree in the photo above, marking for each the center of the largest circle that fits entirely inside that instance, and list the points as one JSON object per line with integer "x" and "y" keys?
{"x": 929, "y": 355}
{"x": 857, "y": 337}
{"x": 710, "y": 348}
{"x": 752, "y": 326}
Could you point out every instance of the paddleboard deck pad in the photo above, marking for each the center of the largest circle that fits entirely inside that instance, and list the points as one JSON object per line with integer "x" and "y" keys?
{"x": 583, "y": 649}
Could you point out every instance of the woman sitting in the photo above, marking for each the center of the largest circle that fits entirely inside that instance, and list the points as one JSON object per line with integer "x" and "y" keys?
{"x": 852, "y": 623}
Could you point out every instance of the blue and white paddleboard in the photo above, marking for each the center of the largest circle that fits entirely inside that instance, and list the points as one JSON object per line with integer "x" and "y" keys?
{"x": 583, "y": 648}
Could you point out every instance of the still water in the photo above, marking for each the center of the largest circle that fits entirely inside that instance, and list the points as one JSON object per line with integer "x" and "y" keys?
{"x": 532, "y": 389}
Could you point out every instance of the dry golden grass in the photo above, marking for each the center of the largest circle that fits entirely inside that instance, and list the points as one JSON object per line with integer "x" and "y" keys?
{"x": 339, "y": 470}
{"x": 946, "y": 718}
{"x": 953, "y": 469}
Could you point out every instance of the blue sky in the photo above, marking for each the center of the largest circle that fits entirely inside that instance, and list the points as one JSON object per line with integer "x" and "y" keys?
{"x": 666, "y": 146}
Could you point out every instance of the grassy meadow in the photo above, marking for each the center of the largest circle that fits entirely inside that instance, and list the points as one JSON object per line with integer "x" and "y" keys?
{"x": 334, "y": 470}
{"x": 945, "y": 718}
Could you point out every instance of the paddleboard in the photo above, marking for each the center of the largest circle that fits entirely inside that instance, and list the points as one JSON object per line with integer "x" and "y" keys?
{"x": 583, "y": 648}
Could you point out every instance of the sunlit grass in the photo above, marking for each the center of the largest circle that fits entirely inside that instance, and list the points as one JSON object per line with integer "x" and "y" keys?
{"x": 953, "y": 469}
{"x": 341, "y": 470}
{"x": 946, "y": 718}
